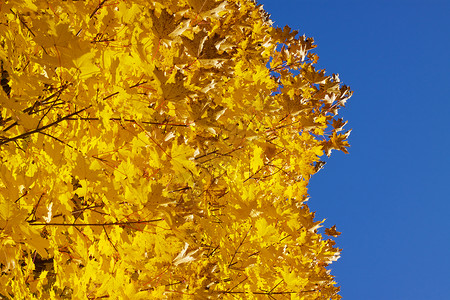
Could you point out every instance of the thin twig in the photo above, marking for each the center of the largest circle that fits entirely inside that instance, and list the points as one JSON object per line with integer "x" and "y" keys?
{"x": 230, "y": 289}
{"x": 23, "y": 23}
{"x": 109, "y": 96}
{"x": 97, "y": 8}
{"x": 107, "y": 236}
{"x": 96, "y": 224}
{"x": 271, "y": 291}
{"x": 240, "y": 244}
{"x": 59, "y": 140}
{"x": 37, "y": 130}
{"x": 33, "y": 212}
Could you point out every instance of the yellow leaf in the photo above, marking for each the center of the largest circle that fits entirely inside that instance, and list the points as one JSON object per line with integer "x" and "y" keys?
{"x": 85, "y": 64}
{"x": 182, "y": 160}
{"x": 257, "y": 159}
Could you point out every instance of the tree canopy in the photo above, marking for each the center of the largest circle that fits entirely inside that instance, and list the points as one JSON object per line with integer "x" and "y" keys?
{"x": 161, "y": 149}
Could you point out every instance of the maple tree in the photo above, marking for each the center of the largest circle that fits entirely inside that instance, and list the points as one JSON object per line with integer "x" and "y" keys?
{"x": 161, "y": 149}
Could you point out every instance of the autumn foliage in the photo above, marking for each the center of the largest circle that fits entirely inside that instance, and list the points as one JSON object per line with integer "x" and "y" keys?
{"x": 161, "y": 150}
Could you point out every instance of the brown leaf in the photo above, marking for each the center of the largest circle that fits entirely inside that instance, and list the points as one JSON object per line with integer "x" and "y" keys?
{"x": 332, "y": 231}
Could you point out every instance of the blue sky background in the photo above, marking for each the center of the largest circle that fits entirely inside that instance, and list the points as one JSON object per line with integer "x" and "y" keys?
{"x": 390, "y": 195}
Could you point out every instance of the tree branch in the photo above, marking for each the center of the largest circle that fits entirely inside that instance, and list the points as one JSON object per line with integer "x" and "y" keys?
{"x": 240, "y": 244}
{"x": 97, "y": 8}
{"x": 96, "y": 224}
{"x": 37, "y": 130}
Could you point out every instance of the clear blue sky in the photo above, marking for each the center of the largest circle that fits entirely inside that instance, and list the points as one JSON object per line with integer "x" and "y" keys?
{"x": 390, "y": 196}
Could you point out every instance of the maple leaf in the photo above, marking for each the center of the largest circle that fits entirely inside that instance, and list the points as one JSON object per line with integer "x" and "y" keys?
{"x": 339, "y": 124}
{"x": 208, "y": 9}
{"x": 332, "y": 231}
{"x": 313, "y": 76}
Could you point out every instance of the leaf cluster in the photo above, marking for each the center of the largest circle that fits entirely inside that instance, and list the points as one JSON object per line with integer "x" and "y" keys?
{"x": 161, "y": 149}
